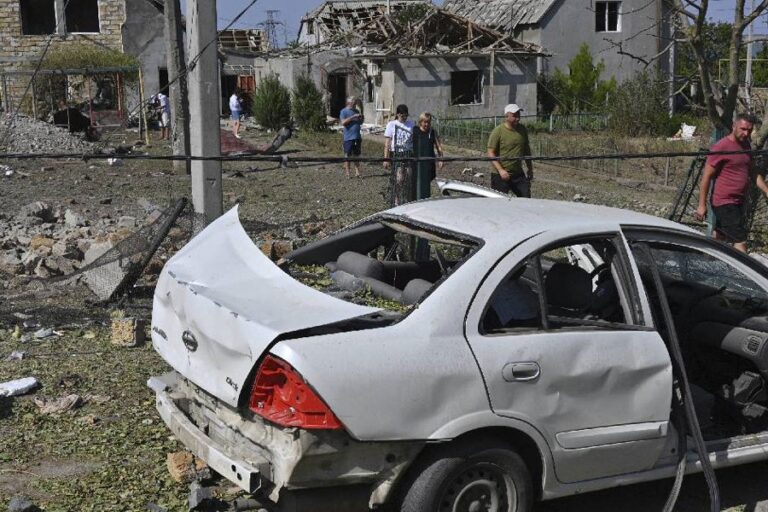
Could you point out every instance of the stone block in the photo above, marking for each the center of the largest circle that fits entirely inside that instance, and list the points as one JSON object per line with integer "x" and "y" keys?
{"x": 128, "y": 332}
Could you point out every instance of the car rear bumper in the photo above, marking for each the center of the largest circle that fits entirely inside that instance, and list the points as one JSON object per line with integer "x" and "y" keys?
{"x": 247, "y": 475}
{"x": 261, "y": 457}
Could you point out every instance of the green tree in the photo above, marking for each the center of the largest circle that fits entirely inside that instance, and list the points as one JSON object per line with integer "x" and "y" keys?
{"x": 307, "y": 105}
{"x": 581, "y": 90}
{"x": 272, "y": 103}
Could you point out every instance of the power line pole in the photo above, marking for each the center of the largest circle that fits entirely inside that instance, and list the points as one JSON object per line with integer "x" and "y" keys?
{"x": 205, "y": 131}
{"x": 177, "y": 77}
{"x": 748, "y": 80}
{"x": 270, "y": 27}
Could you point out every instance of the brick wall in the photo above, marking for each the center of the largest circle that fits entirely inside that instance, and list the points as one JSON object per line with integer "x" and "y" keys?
{"x": 18, "y": 51}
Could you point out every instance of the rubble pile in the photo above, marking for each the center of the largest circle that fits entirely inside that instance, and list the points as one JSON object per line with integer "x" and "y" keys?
{"x": 45, "y": 241}
{"x": 28, "y": 135}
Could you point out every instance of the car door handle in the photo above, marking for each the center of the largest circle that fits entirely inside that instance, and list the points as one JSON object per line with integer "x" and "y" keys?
{"x": 522, "y": 371}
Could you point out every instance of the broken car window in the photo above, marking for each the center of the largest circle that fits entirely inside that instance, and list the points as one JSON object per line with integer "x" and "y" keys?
{"x": 580, "y": 287}
{"x": 390, "y": 264}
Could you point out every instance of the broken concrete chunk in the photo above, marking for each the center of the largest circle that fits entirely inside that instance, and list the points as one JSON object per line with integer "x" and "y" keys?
{"x": 10, "y": 263}
{"x": 35, "y": 213}
{"x": 18, "y": 387}
{"x": 21, "y": 504}
{"x": 73, "y": 219}
{"x": 45, "y": 332}
{"x": 41, "y": 241}
{"x": 16, "y": 355}
{"x": 126, "y": 222}
{"x": 183, "y": 466}
{"x": 128, "y": 332}
{"x": 198, "y": 495}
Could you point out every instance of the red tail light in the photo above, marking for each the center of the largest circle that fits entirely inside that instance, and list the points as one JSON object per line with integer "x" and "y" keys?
{"x": 282, "y": 396}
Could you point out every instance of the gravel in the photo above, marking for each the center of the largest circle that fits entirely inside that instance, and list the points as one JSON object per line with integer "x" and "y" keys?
{"x": 28, "y": 135}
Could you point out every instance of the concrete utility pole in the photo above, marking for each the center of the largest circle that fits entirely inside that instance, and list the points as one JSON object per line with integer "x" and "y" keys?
{"x": 205, "y": 131}
{"x": 174, "y": 38}
{"x": 751, "y": 37}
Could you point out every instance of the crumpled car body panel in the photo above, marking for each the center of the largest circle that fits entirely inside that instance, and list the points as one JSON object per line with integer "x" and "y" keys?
{"x": 229, "y": 301}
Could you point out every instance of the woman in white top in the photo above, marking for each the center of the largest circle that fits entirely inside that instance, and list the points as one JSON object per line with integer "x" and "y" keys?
{"x": 236, "y": 110}
{"x": 399, "y": 140}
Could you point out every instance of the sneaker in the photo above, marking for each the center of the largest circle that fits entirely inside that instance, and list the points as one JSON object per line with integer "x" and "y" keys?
{"x": 237, "y": 136}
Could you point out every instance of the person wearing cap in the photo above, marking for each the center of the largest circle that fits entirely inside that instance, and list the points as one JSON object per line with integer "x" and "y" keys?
{"x": 351, "y": 122}
{"x": 508, "y": 142}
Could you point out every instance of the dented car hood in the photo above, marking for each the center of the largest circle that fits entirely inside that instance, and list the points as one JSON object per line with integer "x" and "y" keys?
{"x": 220, "y": 302}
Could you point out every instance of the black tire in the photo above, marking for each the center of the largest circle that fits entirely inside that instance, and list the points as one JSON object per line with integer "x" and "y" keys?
{"x": 469, "y": 478}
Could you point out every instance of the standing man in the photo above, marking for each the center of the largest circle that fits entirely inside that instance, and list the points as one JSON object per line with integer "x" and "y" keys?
{"x": 508, "y": 141}
{"x": 729, "y": 176}
{"x": 164, "y": 105}
{"x": 351, "y": 121}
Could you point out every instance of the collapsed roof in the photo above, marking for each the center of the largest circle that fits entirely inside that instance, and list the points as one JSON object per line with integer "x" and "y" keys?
{"x": 409, "y": 29}
{"x": 500, "y": 14}
{"x": 243, "y": 40}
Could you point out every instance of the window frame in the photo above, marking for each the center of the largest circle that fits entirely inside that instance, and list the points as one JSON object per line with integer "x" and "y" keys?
{"x": 65, "y": 20}
{"x": 606, "y": 16}
{"x": 626, "y": 285}
{"x": 22, "y": 23}
{"x": 480, "y": 73}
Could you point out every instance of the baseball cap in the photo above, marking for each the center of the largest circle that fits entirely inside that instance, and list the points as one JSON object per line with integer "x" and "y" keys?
{"x": 513, "y": 108}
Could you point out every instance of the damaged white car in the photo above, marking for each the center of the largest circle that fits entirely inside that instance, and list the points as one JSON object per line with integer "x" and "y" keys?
{"x": 465, "y": 354}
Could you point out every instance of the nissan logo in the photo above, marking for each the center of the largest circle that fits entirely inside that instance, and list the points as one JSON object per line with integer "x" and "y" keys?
{"x": 189, "y": 341}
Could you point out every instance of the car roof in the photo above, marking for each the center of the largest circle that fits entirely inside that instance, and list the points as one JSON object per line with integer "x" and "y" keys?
{"x": 509, "y": 220}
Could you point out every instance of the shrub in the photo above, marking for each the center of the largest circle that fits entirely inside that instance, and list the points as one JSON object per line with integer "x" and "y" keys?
{"x": 272, "y": 103}
{"x": 307, "y": 105}
{"x": 639, "y": 107}
{"x": 581, "y": 90}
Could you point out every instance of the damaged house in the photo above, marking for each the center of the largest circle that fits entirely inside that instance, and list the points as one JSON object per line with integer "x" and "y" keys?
{"x": 626, "y": 35}
{"x": 409, "y": 52}
{"x": 133, "y": 27}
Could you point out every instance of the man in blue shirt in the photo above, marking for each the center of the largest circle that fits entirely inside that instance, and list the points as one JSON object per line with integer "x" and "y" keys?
{"x": 351, "y": 121}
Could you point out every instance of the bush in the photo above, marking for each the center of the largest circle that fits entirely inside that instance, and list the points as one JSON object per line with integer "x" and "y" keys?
{"x": 639, "y": 107}
{"x": 307, "y": 105}
{"x": 272, "y": 103}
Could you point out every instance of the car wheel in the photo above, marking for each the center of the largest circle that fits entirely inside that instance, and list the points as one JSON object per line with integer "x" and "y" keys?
{"x": 488, "y": 479}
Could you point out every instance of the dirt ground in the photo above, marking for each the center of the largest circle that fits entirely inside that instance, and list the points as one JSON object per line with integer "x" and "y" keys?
{"x": 110, "y": 454}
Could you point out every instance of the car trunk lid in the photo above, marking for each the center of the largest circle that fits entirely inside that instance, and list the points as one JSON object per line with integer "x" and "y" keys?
{"x": 220, "y": 302}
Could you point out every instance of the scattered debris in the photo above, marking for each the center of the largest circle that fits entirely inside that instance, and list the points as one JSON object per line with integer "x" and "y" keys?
{"x": 115, "y": 162}
{"x": 155, "y": 508}
{"x": 183, "y": 466}
{"x": 16, "y": 355}
{"x": 45, "y": 332}
{"x": 28, "y": 135}
{"x": 18, "y": 387}
{"x": 128, "y": 332}
{"x": 57, "y": 405}
{"x": 21, "y": 504}
{"x": 198, "y": 495}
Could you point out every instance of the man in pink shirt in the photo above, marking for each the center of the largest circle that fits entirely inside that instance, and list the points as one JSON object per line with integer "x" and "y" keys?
{"x": 729, "y": 176}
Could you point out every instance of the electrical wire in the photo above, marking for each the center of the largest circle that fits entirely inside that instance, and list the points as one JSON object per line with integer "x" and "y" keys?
{"x": 285, "y": 159}
{"x": 183, "y": 73}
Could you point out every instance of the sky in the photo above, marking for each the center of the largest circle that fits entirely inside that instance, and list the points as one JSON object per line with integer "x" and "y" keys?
{"x": 291, "y": 11}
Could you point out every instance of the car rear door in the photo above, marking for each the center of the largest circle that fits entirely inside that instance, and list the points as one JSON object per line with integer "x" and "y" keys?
{"x": 596, "y": 382}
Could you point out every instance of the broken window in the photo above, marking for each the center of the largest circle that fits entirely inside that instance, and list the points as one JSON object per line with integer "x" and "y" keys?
{"x": 310, "y": 27}
{"x": 608, "y": 17}
{"x": 38, "y": 17}
{"x": 578, "y": 284}
{"x": 82, "y": 16}
{"x": 466, "y": 87}
{"x": 386, "y": 264}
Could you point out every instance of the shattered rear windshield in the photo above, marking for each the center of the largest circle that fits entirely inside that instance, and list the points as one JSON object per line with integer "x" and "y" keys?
{"x": 389, "y": 264}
